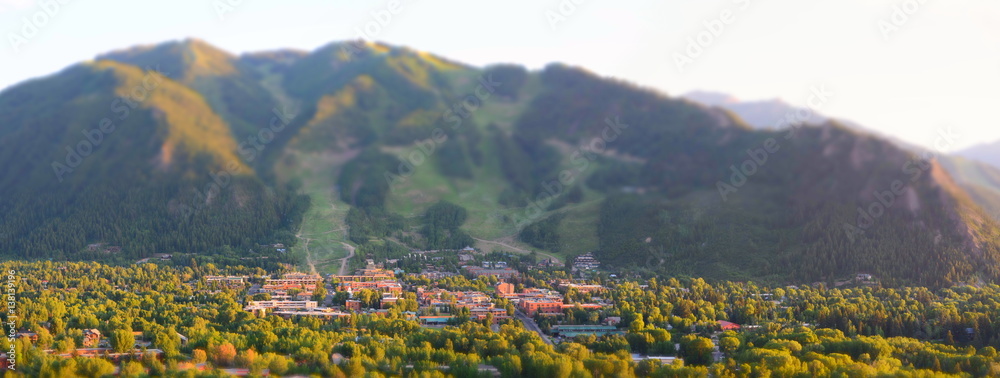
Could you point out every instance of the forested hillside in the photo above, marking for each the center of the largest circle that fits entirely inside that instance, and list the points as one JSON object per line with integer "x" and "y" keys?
{"x": 973, "y": 169}
{"x": 683, "y": 207}
{"x": 390, "y": 149}
{"x": 117, "y": 156}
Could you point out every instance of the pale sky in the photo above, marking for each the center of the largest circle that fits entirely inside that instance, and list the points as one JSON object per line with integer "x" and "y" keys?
{"x": 939, "y": 69}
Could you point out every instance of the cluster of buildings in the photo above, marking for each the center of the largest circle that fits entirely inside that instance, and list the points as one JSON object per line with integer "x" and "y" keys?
{"x": 381, "y": 281}
{"x": 291, "y": 309}
{"x": 291, "y": 287}
{"x": 589, "y": 289}
{"x": 375, "y": 279}
{"x": 505, "y": 272}
{"x": 265, "y": 307}
{"x": 296, "y": 278}
{"x": 385, "y": 302}
{"x": 479, "y": 304}
{"x": 230, "y": 281}
{"x": 535, "y": 301}
{"x": 438, "y": 306}
{"x": 435, "y": 274}
{"x": 586, "y": 261}
{"x": 494, "y": 264}
{"x": 387, "y": 286}
{"x": 367, "y": 274}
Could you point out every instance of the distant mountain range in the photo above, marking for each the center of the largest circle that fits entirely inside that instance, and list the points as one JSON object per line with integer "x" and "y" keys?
{"x": 988, "y": 153}
{"x": 761, "y": 114}
{"x": 966, "y": 167}
{"x": 181, "y": 147}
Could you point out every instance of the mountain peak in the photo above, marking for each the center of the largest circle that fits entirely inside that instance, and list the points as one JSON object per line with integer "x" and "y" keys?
{"x": 987, "y": 152}
{"x": 186, "y": 60}
{"x": 711, "y": 98}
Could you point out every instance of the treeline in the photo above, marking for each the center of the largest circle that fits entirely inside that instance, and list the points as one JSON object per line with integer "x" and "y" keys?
{"x": 511, "y": 77}
{"x": 155, "y": 218}
{"x": 460, "y": 154}
{"x": 526, "y": 163}
{"x": 543, "y": 234}
{"x": 758, "y": 238}
{"x": 369, "y": 223}
{"x": 441, "y": 227}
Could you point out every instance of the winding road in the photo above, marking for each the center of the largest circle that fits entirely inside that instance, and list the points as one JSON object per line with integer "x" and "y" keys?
{"x": 524, "y": 251}
{"x": 343, "y": 261}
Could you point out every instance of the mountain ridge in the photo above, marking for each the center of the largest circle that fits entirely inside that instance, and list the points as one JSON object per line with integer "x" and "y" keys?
{"x": 530, "y": 161}
{"x": 988, "y": 153}
{"x": 978, "y": 179}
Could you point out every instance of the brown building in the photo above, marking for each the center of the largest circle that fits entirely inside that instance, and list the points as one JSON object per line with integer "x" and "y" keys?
{"x": 582, "y": 288}
{"x": 480, "y": 313}
{"x": 354, "y": 305}
{"x": 505, "y": 288}
{"x": 91, "y": 338}
{"x": 544, "y": 306}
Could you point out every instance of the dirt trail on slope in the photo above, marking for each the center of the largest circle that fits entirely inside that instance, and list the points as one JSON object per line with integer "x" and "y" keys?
{"x": 309, "y": 259}
{"x": 520, "y": 250}
{"x": 343, "y": 261}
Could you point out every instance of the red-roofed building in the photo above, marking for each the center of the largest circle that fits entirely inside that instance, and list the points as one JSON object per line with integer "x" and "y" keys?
{"x": 729, "y": 326}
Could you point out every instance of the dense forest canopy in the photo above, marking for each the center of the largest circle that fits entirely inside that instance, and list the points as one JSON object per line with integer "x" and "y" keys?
{"x": 786, "y": 331}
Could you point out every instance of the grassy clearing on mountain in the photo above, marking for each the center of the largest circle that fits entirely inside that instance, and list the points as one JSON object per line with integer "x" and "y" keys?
{"x": 323, "y": 225}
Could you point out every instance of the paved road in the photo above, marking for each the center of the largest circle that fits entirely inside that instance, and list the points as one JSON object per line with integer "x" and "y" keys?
{"x": 532, "y": 326}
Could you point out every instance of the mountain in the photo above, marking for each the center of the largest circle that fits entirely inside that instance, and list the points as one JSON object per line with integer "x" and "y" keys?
{"x": 387, "y": 149}
{"x": 979, "y": 180}
{"x": 106, "y": 152}
{"x": 761, "y": 114}
{"x": 230, "y": 85}
{"x": 988, "y": 153}
{"x": 767, "y": 114}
